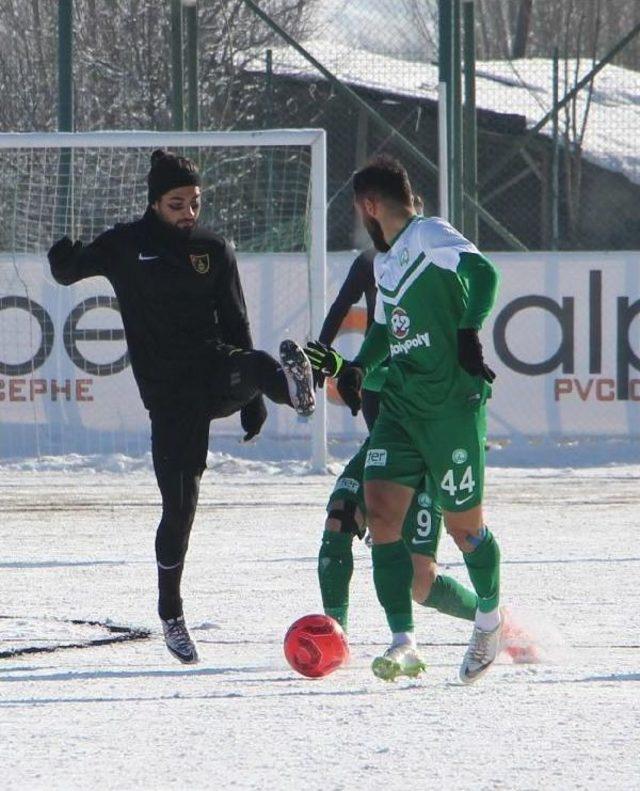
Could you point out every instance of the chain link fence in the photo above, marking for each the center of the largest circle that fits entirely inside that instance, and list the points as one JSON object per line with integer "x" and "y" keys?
{"x": 387, "y": 52}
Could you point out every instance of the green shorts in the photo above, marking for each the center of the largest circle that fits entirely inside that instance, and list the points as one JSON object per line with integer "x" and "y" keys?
{"x": 449, "y": 451}
{"x": 423, "y": 523}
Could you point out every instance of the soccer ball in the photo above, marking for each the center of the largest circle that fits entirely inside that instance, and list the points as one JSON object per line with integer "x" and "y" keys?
{"x": 315, "y": 646}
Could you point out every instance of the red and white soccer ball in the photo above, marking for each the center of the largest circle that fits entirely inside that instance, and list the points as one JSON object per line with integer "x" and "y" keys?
{"x": 315, "y": 646}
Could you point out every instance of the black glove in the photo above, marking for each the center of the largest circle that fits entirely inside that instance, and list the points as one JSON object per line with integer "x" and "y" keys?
{"x": 252, "y": 417}
{"x": 350, "y": 385}
{"x": 62, "y": 251}
{"x": 470, "y": 355}
{"x": 325, "y": 361}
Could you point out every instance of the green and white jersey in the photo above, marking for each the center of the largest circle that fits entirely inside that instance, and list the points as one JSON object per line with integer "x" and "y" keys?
{"x": 431, "y": 282}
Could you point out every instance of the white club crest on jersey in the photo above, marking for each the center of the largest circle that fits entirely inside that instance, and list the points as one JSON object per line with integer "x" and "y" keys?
{"x": 400, "y": 323}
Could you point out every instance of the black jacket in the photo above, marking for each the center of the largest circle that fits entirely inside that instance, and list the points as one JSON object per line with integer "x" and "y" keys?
{"x": 180, "y": 298}
{"x": 359, "y": 281}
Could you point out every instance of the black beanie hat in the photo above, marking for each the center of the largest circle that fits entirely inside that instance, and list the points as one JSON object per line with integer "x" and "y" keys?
{"x": 168, "y": 172}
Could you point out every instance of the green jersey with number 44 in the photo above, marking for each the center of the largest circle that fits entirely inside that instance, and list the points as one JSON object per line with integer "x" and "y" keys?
{"x": 431, "y": 282}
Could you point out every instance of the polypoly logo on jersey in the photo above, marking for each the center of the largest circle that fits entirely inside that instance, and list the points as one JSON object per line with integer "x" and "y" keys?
{"x": 421, "y": 339}
{"x": 376, "y": 458}
{"x": 200, "y": 263}
{"x": 400, "y": 323}
{"x": 459, "y": 456}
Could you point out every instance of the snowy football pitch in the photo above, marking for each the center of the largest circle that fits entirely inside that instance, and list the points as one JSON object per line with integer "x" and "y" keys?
{"x": 77, "y": 544}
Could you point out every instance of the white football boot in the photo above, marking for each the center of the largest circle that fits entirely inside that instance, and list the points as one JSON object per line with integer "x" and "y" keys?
{"x": 178, "y": 640}
{"x": 299, "y": 375}
{"x": 399, "y": 660}
{"x": 483, "y": 649}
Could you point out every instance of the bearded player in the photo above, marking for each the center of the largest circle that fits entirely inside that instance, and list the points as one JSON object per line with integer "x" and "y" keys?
{"x": 191, "y": 352}
{"x": 434, "y": 292}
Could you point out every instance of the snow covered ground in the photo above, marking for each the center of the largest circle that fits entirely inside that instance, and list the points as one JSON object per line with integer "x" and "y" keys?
{"x": 77, "y": 543}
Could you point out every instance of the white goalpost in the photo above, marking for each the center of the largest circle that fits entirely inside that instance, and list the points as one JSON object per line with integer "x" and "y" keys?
{"x": 65, "y": 381}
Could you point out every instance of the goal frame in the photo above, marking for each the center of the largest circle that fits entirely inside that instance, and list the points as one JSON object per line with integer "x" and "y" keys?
{"x": 315, "y": 139}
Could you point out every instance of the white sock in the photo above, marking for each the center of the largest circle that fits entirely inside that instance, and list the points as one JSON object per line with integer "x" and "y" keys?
{"x": 403, "y": 638}
{"x": 488, "y": 621}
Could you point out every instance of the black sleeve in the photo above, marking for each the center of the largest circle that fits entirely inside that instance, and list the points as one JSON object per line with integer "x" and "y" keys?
{"x": 94, "y": 259}
{"x": 355, "y": 285}
{"x": 232, "y": 308}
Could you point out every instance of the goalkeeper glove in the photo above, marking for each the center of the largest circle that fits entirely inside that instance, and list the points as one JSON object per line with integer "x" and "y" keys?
{"x": 350, "y": 385}
{"x": 252, "y": 417}
{"x": 62, "y": 251}
{"x": 470, "y": 355}
{"x": 325, "y": 361}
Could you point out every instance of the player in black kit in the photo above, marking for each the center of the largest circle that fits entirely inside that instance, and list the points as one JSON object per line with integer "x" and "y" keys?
{"x": 191, "y": 352}
{"x": 359, "y": 282}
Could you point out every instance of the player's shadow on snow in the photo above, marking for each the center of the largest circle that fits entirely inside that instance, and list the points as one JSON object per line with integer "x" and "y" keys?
{"x": 55, "y": 564}
{"x": 112, "y": 674}
{"x": 549, "y": 562}
{"x": 306, "y": 693}
{"x": 612, "y": 677}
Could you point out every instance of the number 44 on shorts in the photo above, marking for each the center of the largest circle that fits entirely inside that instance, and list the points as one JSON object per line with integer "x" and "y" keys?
{"x": 465, "y": 487}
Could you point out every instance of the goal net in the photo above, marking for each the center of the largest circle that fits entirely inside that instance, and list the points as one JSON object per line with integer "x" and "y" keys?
{"x": 65, "y": 381}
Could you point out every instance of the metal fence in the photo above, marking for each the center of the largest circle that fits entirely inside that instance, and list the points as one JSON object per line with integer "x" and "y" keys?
{"x": 574, "y": 187}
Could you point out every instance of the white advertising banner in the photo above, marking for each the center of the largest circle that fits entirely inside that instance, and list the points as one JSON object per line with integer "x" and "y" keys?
{"x": 564, "y": 340}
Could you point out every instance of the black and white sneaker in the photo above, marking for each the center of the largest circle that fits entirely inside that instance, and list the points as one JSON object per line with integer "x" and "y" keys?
{"x": 483, "y": 649}
{"x": 297, "y": 370}
{"x": 178, "y": 640}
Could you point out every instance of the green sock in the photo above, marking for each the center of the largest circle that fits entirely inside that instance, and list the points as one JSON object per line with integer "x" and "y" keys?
{"x": 483, "y": 565}
{"x": 392, "y": 576}
{"x": 448, "y": 596}
{"x": 335, "y": 567}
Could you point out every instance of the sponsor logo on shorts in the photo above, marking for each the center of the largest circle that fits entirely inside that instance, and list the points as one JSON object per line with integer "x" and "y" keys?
{"x": 459, "y": 456}
{"x": 350, "y": 484}
{"x": 404, "y": 257}
{"x": 463, "y": 501}
{"x": 424, "y": 501}
{"x": 376, "y": 458}
{"x": 421, "y": 339}
{"x": 400, "y": 323}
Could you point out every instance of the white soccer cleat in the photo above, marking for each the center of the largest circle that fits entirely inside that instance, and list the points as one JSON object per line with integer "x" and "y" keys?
{"x": 481, "y": 653}
{"x": 399, "y": 660}
{"x": 299, "y": 375}
{"x": 178, "y": 640}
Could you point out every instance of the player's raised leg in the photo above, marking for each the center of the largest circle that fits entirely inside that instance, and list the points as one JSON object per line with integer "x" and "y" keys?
{"x": 252, "y": 372}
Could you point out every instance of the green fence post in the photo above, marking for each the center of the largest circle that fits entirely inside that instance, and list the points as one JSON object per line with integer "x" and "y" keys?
{"x": 191, "y": 14}
{"x": 555, "y": 158}
{"x": 64, "y": 213}
{"x": 456, "y": 118}
{"x": 470, "y": 157}
{"x": 444, "y": 108}
{"x": 176, "y": 65}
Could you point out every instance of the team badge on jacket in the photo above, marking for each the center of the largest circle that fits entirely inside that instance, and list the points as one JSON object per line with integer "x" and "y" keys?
{"x": 200, "y": 263}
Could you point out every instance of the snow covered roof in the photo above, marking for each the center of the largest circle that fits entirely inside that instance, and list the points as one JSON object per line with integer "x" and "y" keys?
{"x": 523, "y": 87}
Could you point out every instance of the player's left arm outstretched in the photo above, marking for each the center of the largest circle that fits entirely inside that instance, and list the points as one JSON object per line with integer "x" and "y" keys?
{"x": 73, "y": 261}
